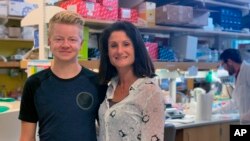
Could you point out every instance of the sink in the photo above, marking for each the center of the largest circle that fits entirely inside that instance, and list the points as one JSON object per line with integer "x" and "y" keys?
{"x": 9, "y": 106}
{"x": 4, "y": 107}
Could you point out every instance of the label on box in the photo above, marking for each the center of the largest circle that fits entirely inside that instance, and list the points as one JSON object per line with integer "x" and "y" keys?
{"x": 72, "y": 8}
{"x": 3, "y": 8}
{"x": 90, "y": 8}
{"x": 20, "y": 8}
{"x": 126, "y": 13}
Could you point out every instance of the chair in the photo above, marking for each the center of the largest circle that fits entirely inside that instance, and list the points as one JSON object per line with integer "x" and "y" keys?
{"x": 169, "y": 132}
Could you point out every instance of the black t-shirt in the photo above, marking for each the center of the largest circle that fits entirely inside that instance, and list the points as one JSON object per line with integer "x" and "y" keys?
{"x": 65, "y": 109}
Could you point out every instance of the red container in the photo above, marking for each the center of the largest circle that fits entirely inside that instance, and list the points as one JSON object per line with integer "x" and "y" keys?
{"x": 108, "y": 13}
{"x": 86, "y": 9}
{"x": 152, "y": 50}
{"x": 127, "y": 14}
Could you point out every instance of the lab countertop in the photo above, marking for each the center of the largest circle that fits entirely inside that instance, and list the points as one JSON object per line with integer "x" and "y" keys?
{"x": 13, "y": 106}
{"x": 189, "y": 120}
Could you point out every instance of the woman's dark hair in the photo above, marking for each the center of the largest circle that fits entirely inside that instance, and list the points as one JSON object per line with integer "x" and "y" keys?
{"x": 142, "y": 67}
{"x": 232, "y": 54}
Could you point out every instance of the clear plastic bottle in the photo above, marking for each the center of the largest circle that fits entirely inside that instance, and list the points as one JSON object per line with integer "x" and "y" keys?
{"x": 3, "y": 91}
{"x": 214, "y": 55}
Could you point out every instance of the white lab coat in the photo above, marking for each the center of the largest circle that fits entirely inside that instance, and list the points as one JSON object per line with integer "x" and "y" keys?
{"x": 241, "y": 93}
{"x": 240, "y": 101}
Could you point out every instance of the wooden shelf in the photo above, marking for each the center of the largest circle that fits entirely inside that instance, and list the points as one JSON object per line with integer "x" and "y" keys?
{"x": 93, "y": 64}
{"x": 12, "y": 64}
{"x": 164, "y": 65}
{"x": 11, "y": 17}
{"x": 185, "y": 65}
{"x": 15, "y": 43}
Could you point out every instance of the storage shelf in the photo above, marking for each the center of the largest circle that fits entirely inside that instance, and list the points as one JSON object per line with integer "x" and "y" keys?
{"x": 93, "y": 64}
{"x": 185, "y": 65}
{"x": 164, "y": 65}
{"x": 242, "y": 5}
{"x": 11, "y": 17}
{"x": 101, "y": 24}
{"x": 12, "y": 64}
{"x": 15, "y": 43}
{"x": 195, "y": 32}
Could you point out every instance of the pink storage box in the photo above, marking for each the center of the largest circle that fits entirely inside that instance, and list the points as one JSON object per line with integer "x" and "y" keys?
{"x": 113, "y": 3}
{"x": 86, "y": 9}
{"x": 127, "y": 14}
{"x": 108, "y": 13}
{"x": 152, "y": 50}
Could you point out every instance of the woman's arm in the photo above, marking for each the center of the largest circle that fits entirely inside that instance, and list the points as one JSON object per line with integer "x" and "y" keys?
{"x": 153, "y": 117}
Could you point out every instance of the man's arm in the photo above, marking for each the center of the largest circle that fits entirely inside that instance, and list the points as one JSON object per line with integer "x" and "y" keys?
{"x": 28, "y": 131}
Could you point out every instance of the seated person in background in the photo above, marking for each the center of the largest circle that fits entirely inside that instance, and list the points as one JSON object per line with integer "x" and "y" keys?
{"x": 232, "y": 62}
{"x": 134, "y": 107}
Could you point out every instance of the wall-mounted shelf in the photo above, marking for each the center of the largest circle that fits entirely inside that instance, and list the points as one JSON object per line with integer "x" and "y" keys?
{"x": 164, "y": 65}
{"x": 239, "y": 4}
{"x": 195, "y": 32}
{"x": 185, "y": 65}
{"x": 15, "y": 43}
{"x": 11, "y": 17}
{"x": 93, "y": 64}
{"x": 101, "y": 24}
{"x": 12, "y": 64}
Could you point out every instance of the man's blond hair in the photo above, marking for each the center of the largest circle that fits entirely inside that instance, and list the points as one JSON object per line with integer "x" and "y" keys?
{"x": 66, "y": 17}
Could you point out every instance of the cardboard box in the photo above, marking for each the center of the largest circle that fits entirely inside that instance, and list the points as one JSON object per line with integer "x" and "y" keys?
{"x": 111, "y": 3}
{"x": 174, "y": 15}
{"x": 185, "y": 47}
{"x": 14, "y": 32}
{"x": 152, "y": 50}
{"x": 200, "y": 18}
{"x": 3, "y": 8}
{"x": 108, "y": 13}
{"x": 91, "y": 0}
{"x": 127, "y": 14}
{"x": 86, "y": 9}
{"x": 17, "y": 8}
{"x": 146, "y": 12}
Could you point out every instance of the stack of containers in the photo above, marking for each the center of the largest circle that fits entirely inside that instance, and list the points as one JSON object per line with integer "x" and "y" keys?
{"x": 146, "y": 12}
{"x": 128, "y": 14}
{"x": 228, "y": 18}
{"x": 101, "y": 9}
{"x": 85, "y": 8}
{"x": 174, "y": 15}
{"x": 152, "y": 50}
{"x": 109, "y": 9}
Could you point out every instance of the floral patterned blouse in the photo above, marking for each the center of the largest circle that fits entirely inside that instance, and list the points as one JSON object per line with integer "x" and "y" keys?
{"x": 138, "y": 117}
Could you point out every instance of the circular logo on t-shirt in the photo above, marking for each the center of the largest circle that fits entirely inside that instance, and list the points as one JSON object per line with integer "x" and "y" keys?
{"x": 84, "y": 100}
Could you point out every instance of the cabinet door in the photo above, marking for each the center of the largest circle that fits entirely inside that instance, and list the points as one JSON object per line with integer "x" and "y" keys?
{"x": 225, "y": 131}
{"x": 204, "y": 133}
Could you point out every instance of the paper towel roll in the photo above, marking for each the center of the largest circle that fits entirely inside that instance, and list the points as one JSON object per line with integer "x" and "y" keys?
{"x": 204, "y": 107}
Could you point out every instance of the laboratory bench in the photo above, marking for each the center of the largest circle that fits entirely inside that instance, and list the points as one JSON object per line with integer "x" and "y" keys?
{"x": 216, "y": 129}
